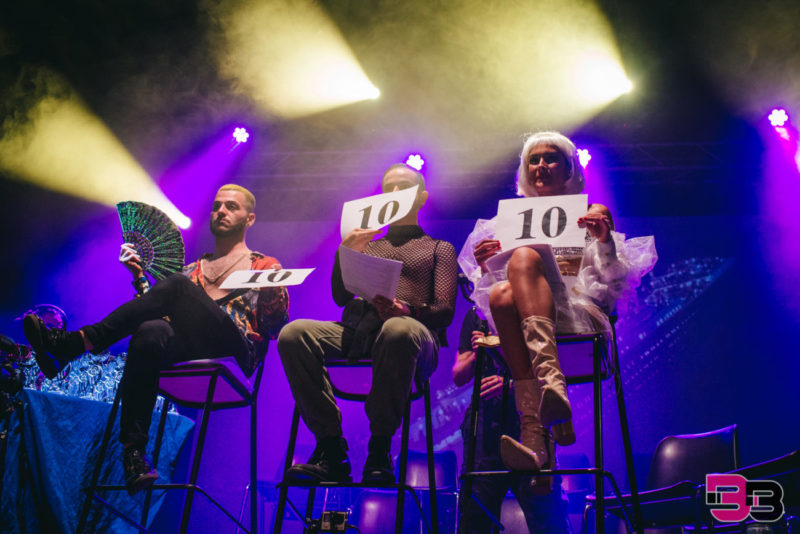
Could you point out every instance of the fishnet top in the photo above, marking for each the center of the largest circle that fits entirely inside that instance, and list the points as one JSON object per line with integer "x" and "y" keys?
{"x": 428, "y": 279}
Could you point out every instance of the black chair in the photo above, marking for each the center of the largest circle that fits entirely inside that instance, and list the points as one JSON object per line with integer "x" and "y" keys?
{"x": 207, "y": 384}
{"x": 422, "y": 390}
{"x": 677, "y": 473}
{"x": 374, "y": 507}
{"x": 584, "y": 358}
{"x": 692, "y": 456}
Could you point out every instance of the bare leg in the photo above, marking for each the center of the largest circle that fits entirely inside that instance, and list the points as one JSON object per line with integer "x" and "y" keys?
{"x": 524, "y": 313}
{"x": 532, "y": 295}
{"x": 533, "y": 301}
{"x": 507, "y": 320}
{"x": 525, "y": 294}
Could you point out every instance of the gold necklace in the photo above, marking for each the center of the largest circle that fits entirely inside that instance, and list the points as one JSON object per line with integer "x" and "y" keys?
{"x": 218, "y": 277}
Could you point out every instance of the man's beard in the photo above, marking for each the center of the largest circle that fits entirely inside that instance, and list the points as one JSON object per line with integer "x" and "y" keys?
{"x": 226, "y": 232}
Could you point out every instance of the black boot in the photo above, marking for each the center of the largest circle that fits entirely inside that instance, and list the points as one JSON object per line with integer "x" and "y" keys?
{"x": 139, "y": 472}
{"x": 378, "y": 468}
{"x": 328, "y": 463}
{"x": 53, "y": 348}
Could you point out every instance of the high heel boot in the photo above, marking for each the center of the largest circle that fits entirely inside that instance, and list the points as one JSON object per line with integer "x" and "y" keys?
{"x": 536, "y": 450}
{"x": 554, "y": 408}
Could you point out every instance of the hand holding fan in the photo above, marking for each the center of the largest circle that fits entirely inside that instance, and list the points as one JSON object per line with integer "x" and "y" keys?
{"x": 156, "y": 238}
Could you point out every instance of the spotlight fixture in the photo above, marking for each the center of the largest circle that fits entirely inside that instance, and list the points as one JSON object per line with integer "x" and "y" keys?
{"x": 241, "y": 135}
{"x": 415, "y": 161}
{"x": 778, "y": 117}
{"x": 584, "y": 157}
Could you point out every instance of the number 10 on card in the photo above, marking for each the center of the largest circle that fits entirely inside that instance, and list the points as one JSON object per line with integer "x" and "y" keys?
{"x": 553, "y": 220}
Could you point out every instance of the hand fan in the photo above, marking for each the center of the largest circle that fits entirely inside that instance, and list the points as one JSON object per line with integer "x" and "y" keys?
{"x": 154, "y": 236}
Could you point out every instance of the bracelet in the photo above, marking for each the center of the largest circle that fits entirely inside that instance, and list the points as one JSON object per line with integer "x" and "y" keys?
{"x": 139, "y": 283}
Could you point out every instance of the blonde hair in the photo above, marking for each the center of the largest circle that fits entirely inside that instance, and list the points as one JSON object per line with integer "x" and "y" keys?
{"x": 251, "y": 200}
{"x": 575, "y": 181}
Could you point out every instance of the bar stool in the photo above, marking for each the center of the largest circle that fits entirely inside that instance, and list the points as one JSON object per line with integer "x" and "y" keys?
{"x": 208, "y": 384}
{"x": 422, "y": 390}
{"x": 584, "y": 358}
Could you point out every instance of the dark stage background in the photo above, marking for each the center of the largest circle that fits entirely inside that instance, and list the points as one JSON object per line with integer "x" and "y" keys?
{"x": 687, "y": 157}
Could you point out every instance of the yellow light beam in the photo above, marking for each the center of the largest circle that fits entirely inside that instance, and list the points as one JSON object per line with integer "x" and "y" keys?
{"x": 64, "y": 147}
{"x": 288, "y": 56}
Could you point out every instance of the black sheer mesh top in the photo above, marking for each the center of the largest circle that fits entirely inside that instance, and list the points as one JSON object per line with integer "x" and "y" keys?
{"x": 428, "y": 279}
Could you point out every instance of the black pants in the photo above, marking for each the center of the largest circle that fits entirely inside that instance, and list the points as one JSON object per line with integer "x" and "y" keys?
{"x": 402, "y": 348}
{"x": 197, "y": 328}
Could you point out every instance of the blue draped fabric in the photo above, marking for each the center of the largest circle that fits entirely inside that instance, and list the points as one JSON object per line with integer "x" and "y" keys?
{"x": 53, "y": 445}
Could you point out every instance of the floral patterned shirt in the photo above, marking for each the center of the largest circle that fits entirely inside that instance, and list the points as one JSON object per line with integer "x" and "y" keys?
{"x": 258, "y": 313}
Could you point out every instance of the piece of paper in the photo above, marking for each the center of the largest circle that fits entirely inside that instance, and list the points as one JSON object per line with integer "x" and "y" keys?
{"x": 378, "y": 210}
{"x": 267, "y": 278}
{"x": 367, "y": 276}
{"x": 532, "y": 220}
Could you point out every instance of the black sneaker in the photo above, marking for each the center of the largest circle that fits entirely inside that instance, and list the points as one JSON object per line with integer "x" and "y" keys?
{"x": 53, "y": 348}
{"x": 139, "y": 472}
{"x": 378, "y": 468}
{"x": 328, "y": 463}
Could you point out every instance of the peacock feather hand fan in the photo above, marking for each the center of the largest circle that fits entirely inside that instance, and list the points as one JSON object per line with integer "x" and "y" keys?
{"x": 154, "y": 236}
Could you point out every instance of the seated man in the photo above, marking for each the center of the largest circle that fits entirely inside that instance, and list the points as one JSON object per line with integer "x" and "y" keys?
{"x": 183, "y": 317}
{"x": 543, "y": 502}
{"x": 401, "y": 336}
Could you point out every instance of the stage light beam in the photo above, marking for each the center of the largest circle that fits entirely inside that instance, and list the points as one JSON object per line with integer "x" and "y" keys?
{"x": 598, "y": 78}
{"x": 64, "y": 147}
{"x": 289, "y": 57}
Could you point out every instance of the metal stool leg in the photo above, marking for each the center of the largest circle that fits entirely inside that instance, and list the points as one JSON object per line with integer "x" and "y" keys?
{"x": 598, "y": 439}
{"x": 284, "y": 491}
{"x": 198, "y": 452}
{"x": 90, "y": 491}
{"x": 626, "y": 435}
{"x": 312, "y": 496}
{"x": 401, "y": 492}
{"x": 162, "y": 422}
{"x": 253, "y": 470}
{"x": 431, "y": 466}
{"x": 480, "y": 355}
{"x": 245, "y": 498}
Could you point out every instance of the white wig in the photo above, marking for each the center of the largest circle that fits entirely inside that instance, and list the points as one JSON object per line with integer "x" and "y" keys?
{"x": 575, "y": 180}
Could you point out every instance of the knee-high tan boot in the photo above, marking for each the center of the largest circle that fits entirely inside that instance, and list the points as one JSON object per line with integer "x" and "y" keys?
{"x": 554, "y": 408}
{"x": 536, "y": 450}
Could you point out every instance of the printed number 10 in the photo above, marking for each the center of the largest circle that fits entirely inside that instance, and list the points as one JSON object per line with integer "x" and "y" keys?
{"x": 383, "y": 216}
{"x": 527, "y": 222}
{"x": 272, "y": 277}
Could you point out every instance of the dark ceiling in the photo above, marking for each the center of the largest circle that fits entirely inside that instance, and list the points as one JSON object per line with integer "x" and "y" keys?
{"x": 145, "y": 68}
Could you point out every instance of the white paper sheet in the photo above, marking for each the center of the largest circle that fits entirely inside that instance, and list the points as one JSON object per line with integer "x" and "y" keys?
{"x": 377, "y": 211}
{"x": 367, "y": 276}
{"x": 267, "y": 278}
{"x": 532, "y": 220}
